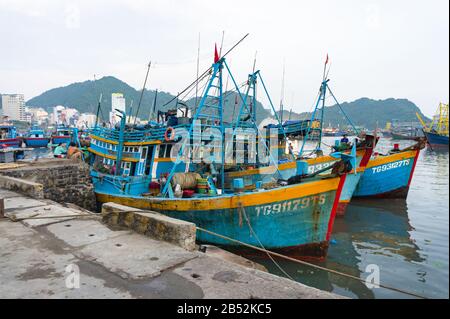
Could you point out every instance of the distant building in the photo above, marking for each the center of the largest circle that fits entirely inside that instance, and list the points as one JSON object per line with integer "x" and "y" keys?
{"x": 63, "y": 115}
{"x": 86, "y": 120}
{"x": 38, "y": 114}
{"x": 117, "y": 103}
{"x": 13, "y": 106}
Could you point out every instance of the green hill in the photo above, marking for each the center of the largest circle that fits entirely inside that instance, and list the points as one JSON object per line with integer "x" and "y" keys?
{"x": 84, "y": 97}
{"x": 367, "y": 113}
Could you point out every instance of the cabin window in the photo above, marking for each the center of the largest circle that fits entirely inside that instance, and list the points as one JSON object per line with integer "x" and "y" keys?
{"x": 144, "y": 153}
{"x": 136, "y": 149}
{"x": 126, "y": 168}
{"x": 162, "y": 149}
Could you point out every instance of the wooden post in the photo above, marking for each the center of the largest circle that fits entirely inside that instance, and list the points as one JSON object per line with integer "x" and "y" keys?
{"x": 2, "y": 208}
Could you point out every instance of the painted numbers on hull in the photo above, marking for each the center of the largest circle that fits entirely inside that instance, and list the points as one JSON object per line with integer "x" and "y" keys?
{"x": 290, "y": 205}
{"x": 389, "y": 166}
{"x": 313, "y": 168}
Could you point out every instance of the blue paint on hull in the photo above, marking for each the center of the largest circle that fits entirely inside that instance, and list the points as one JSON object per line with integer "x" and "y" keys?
{"x": 436, "y": 139}
{"x": 65, "y": 139}
{"x": 10, "y": 142}
{"x": 350, "y": 185}
{"x": 381, "y": 181}
{"x": 276, "y": 227}
{"x": 36, "y": 142}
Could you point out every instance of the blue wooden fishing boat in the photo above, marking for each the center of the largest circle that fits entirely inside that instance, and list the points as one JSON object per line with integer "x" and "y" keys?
{"x": 437, "y": 131}
{"x": 379, "y": 175}
{"x": 8, "y": 136}
{"x": 36, "y": 137}
{"x": 294, "y": 217}
{"x": 436, "y": 139}
{"x": 390, "y": 175}
{"x": 315, "y": 162}
{"x": 62, "y": 134}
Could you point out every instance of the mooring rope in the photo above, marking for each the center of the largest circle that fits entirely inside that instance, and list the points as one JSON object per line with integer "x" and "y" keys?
{"x": 261, "y": 249}
{"x": 307, "y": 263}
{"x": 262, "y": 246}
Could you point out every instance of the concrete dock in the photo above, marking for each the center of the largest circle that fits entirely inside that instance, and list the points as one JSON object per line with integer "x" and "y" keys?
{"x": 40, "y": 256}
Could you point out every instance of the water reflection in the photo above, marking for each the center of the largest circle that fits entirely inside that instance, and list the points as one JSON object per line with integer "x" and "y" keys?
{"x": 370, "y": 227}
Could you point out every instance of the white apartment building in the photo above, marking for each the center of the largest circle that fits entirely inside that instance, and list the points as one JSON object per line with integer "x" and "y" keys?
{"x": 13, "y": 106}
{"x": 117, "y": 102}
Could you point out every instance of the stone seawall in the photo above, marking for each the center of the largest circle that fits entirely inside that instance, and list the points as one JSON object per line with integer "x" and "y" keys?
{"x": 63, "y": 181}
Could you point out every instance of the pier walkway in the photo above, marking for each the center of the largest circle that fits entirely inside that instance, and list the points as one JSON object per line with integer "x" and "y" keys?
{"x": 39, "y": 258}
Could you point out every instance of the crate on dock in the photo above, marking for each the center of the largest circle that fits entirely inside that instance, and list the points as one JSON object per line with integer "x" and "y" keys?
{"x": 6, "y": 157}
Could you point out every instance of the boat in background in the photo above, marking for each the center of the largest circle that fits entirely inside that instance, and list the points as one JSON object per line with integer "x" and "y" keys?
{"x": 36, "y": 137}
{"x": 8, "y": 134}
{"x": 62, "y": 134}
{"x": 437, "y": 131}
{"x": 411, "y": 136}
{"x": 390, "y": 175}
{"x": 405, "y": 130}
{"x": 331, "y": 131}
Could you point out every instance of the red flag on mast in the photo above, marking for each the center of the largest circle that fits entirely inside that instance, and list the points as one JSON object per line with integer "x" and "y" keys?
{"x": 216, "y": 54}
{"x": 326, "y": 61}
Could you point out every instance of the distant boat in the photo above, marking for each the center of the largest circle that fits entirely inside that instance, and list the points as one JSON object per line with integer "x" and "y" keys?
{"x": 435, "y": 139}
{"x": 404, "y": 136}
{"x": 36, "y": 137}
{"x": 8, "y": 136}
{"x": 330, "y": 131}
{"x": 437, "y": 131}
{"x": 63, "y": 134}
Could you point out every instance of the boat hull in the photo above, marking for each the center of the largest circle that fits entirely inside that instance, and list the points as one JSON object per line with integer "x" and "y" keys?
{"x": 436, "y": 139}
{"x": 36, "y": 141}
{"x": 288, "y": 170}
{"x": 388, "y": 176}
{"x": 61, "y": 139}
{"x": 397, "y": 136}
{"x": 10, "y": 142}
{"x": 297, "y": 219}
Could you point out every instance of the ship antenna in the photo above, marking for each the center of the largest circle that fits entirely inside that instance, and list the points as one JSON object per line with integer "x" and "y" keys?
{"x": 204, "y": 73}
{"x": 282, "y": 93}
{"x": 198, "y": 70}
{"x": 142, "y": 92}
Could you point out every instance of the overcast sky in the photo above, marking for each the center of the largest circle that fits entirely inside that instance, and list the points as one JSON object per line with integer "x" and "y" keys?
{"x": 377, "y": 49}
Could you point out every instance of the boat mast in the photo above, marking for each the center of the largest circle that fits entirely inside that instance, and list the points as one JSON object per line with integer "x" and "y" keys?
{"x": 142, "y": 92}
{"x": 123, "y": 121}
{"x": 282, "y": 93}
{"x": 98, "y": 109}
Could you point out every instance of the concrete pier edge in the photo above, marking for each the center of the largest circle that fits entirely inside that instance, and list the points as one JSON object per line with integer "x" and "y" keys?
{"x": 131, "y": 254}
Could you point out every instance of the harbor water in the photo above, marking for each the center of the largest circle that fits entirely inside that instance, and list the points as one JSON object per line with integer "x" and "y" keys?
{"x": 408, "y": 240}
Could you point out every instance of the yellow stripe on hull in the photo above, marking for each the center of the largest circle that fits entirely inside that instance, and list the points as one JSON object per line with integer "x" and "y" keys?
{"x": 125, "y": 143}
{"x": 380, "y": 160}
{"x": 285, "y": 166}
{"x": 226, "y": 202}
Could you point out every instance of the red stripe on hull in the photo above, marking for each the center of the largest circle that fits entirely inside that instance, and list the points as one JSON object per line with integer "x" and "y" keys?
{"x": 35, "y": 138}
{"x": 341, "y": 208}
{"x": 335, "y": 205}
{"x": 413, "y": 168}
